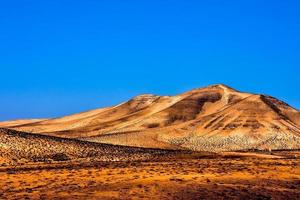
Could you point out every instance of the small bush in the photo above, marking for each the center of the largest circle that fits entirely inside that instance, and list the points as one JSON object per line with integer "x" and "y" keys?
{"x": 60, "y": 157}
{"x": 153, "y": 125}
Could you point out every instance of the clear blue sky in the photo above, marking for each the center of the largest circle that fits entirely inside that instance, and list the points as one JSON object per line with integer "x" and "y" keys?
{"x": 59, "y": 57}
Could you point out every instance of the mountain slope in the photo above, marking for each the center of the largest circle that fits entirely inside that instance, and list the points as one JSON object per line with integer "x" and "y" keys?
{"x": 215, "y": 118}
{"x": 19, "y": 122}
{"x": 248, "y": 124}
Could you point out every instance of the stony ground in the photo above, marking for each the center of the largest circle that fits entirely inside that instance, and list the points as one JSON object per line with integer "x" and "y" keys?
{"x": 18, "y": 148}
{"x": 231, "y": 176}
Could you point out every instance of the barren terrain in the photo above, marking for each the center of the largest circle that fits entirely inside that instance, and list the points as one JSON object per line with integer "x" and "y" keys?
{"x": 226, "y": 176}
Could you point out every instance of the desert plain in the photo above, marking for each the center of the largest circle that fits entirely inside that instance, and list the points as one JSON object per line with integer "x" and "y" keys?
{"x": 215, "y": 176}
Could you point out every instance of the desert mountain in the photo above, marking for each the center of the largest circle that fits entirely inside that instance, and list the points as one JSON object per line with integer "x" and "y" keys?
{"x": 214, "y": 118}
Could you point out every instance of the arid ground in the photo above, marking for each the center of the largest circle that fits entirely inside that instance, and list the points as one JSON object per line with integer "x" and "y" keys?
{"x": 219, "y": 176}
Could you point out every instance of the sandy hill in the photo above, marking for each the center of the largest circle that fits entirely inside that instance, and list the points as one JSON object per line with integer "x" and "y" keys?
{"x": 214, "y": 118}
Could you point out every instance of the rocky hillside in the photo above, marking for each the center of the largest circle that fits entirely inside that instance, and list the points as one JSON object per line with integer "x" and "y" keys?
{"x": 214, "y": 118}
{"x": 19, "y": 147}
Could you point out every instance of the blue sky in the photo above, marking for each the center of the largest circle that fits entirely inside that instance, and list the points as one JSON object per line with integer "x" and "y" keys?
{"x": 60, "y": 57}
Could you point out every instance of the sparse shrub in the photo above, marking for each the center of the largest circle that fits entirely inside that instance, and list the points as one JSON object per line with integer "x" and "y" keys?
{"x": 60, "y": 157}
{"x": 153, "y": 125}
